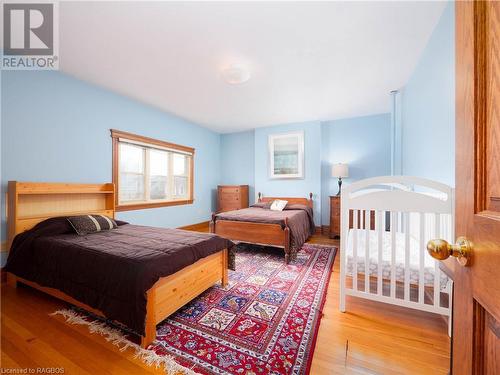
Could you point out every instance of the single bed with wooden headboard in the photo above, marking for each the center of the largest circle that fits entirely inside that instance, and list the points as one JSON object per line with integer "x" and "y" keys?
{"x": 232, "y": 226}
{"x": 31, "y": 203}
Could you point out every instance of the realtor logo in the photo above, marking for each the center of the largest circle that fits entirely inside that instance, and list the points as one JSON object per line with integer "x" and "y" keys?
{"x": 29, "y": 36}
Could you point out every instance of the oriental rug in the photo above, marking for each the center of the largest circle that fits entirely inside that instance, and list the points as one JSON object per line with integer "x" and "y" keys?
{"x": 265, "y": 321}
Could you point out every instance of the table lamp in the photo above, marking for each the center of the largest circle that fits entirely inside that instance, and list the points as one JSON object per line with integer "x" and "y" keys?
{"x": 340, "y": 170}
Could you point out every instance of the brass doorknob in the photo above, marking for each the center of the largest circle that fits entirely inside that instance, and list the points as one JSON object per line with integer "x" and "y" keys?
{"x": 441, "y": 249}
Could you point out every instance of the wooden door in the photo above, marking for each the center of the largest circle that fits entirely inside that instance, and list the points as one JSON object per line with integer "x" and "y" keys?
{"x": 476, "y": 330}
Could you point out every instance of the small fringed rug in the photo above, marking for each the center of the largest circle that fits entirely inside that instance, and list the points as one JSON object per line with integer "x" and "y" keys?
{"x": 264, "y": 322}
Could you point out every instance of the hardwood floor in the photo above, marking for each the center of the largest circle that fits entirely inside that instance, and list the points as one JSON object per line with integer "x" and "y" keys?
{"x": 370, "y": 338}
{"x": 376, "y": 338}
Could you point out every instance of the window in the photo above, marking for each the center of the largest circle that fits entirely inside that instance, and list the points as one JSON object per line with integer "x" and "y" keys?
{"x": 150, "y": 173}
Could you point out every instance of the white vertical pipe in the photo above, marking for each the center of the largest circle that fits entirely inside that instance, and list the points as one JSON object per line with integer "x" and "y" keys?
{"x": 396, "y": 135}
{"x": 393, "y": 132}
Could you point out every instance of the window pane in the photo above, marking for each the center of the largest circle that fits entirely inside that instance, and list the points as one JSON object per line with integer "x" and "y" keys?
{"x": 158, "y": 162}
{"x": 158, "y": 171}
{"x": 158, "y": 187}
{"x": 180, "y": 187}
{"x": 131, "y": 158}
{"x": 131, "y": 187}
{"x": 180, "y": 163}
{"x": 131, "y": 172}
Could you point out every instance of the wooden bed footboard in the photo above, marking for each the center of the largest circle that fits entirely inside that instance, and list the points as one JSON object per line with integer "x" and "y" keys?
{"x": 256, "y": 233}
{"x": 166, "y": 296}
{"x": 172, "y": 292}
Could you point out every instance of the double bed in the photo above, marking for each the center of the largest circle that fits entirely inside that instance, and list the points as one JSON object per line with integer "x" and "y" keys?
{"x": 132, "y": 274}
{"x": 259, "y": 224}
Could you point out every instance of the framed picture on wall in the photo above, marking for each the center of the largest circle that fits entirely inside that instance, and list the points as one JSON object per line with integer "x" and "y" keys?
{"x": 286, "y": 155}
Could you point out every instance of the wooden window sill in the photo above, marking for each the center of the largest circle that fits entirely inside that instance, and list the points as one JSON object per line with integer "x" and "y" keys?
{"x": 144, "y": 206}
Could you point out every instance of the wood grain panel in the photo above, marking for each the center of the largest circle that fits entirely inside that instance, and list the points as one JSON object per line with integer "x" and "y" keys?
{"x": 491, "y": 104}
{"x": 117, "y": 134}
{"x": 487, "y": 338}
{"x": 232, "y": 197}
{"x": 143, "y": 206}
{"x": 32, "y": 202}
{"x": 195, "y": 227}
{"x": 38, "y": 205}
{"x": 53, "y": 188}
{"x": 23, "y": 224}
{"x": 290, "y": 200}
{"x": 270, "y": 234}
{"x": 491, "y": 345}
{"x": 477, "y": 180}
{"x": 173, "y": 291}
{"x": 335, "y": 216}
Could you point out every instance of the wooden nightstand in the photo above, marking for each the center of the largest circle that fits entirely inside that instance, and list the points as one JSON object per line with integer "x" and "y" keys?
{"x": 335, "y": 216}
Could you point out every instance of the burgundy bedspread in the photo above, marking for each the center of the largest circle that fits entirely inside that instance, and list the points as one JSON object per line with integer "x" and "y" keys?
{"x": 110, "y": 270}
{"x": 299, "y": 219}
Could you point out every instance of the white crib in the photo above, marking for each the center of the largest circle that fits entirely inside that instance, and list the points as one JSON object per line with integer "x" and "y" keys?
{"x": 385, "y": 225}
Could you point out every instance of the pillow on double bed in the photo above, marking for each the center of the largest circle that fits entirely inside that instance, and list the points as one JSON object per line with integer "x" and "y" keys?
{"x": 265, "y": 205}
{"x": 85, "y": 224}
{"x": 278, "y": 205}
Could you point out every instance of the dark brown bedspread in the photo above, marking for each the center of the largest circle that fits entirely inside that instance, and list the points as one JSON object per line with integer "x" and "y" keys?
{"x": 111, "y": 270}
{"x": 299, "y": 219}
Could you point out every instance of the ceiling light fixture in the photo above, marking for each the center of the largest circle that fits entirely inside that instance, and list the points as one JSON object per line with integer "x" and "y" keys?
{"x": 236, "y": 74}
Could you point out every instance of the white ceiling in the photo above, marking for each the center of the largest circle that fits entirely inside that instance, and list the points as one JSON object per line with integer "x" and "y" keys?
{"x": 308, "y": 60}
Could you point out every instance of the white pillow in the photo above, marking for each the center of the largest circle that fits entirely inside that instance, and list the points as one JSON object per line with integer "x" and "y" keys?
{"x": 278, "y": 205}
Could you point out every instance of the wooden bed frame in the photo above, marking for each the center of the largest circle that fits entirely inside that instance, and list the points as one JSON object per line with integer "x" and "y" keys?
{"x": 30, "y": 203}
{"x": 259, "y": 233}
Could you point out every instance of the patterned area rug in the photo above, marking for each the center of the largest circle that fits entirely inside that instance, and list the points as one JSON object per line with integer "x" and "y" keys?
{"x": 264, "y": 322}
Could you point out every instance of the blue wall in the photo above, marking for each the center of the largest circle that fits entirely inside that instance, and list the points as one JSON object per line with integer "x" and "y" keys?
{"x": 428, "y": 107}
{"x": 311, "y": 183}
{"x": 56, "y": 128}
{"x": 364, "y": 143}
{"x": 237, "y": 160}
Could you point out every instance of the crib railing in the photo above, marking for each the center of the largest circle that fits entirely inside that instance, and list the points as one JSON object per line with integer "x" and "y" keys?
{"x": 385, "y": 225}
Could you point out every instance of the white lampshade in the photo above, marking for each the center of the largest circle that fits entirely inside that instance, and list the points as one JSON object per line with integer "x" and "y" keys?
{"x": 340, "y": 170}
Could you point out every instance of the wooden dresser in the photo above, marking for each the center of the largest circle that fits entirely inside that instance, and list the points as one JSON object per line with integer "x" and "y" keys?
{"x": 232, "y": 197}
{"x": 335, "y": 216}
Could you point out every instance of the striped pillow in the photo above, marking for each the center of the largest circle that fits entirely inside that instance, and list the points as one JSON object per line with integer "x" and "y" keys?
{"x": 86, "y": 224}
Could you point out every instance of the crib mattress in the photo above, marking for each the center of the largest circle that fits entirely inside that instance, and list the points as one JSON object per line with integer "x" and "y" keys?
{"x": 414, "y": 258}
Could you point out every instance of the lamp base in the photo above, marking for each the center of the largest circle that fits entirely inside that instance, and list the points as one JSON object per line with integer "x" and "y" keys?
{"x": 340, "y": 185}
